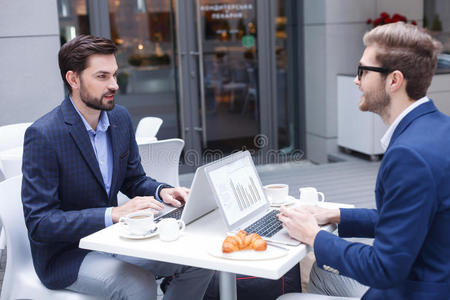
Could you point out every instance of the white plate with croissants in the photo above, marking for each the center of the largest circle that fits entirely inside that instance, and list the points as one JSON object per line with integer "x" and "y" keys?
{"x": 243, "y": 246}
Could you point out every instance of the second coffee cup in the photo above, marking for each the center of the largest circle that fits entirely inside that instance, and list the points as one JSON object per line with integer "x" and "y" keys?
{"x": 170, "y": 229}
{"x": 310, "y": 195}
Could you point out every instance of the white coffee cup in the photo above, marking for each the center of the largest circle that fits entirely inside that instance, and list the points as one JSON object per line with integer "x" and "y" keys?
{"x": 170, "y": 229}
{"x": 310, "y": 195}
{"x": 139, "y": 222}
{"x": 277, "y": 193}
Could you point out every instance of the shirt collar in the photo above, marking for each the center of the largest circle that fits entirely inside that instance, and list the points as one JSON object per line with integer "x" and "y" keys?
{"x": 103, "y": 122}
{"x": 386, "y": 139}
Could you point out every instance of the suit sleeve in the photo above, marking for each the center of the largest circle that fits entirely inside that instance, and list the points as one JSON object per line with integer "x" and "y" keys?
{"x": 405, "y": 215}
{"x": 358, "y": 222}
{"x": 45, "y": 220}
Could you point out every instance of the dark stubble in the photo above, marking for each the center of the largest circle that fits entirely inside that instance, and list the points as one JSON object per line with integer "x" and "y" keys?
{"x": 94, "y": 102}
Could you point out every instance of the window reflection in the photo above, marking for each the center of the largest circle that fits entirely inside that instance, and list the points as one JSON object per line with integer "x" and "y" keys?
{"x": 144, "y": 33}
{"x": 73, "y": 19}
{"x": 437, "y": 21}
{"x": 228, "y": 38}
{"x": 285, "y": 101}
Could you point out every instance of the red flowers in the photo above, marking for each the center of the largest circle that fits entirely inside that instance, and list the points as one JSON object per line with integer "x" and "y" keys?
{"x": 385, "y": 18}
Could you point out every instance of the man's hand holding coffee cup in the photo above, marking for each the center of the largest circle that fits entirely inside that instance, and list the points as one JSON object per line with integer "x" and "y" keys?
{"x": 135, "y": 204}
{"x": 174, "y": 196}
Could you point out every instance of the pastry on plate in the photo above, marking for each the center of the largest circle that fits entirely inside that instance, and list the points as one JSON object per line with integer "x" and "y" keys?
{"x": 243, "y": 241}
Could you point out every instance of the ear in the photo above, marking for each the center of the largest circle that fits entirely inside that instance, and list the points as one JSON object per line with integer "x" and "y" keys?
{"x": 396, "y": 81}
{"x": 73, "y": 79}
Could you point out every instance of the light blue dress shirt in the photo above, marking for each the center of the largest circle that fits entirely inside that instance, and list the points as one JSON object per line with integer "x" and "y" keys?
{"x": 101, "y": 143}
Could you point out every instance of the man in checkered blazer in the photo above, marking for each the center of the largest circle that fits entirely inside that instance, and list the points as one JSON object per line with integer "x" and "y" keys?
{"x": 76, "y": 158}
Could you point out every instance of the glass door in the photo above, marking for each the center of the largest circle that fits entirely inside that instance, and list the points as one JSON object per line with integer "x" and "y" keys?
{"x": 73, "y": 19}
{"x": 222, "y": 74}
{"x": 219, "y": 77}
{"x": 144, "y": 33}
{"x": 227, "y": 41}
{"x": 236, "y": 80}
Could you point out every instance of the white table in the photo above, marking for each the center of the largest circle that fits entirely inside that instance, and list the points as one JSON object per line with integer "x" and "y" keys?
{"x": 192, "y": 249}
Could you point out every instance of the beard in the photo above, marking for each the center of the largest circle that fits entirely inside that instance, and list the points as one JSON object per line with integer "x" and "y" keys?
{"x": 376, "y": 102}
{"x": 95, "y": 102}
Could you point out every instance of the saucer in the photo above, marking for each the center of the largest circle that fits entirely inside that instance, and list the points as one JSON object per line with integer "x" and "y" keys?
{"x": 123, "y": 232}
{"x": 289, "y": 200}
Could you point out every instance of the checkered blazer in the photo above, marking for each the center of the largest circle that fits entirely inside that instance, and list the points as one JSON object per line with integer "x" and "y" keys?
{"x": 63, "y": 195}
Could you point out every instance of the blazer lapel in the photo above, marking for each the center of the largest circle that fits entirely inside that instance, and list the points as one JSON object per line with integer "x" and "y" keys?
{"x": 81, "y": 138}
{"x": 113, "y": 127}
{"x": 423, "y": 109}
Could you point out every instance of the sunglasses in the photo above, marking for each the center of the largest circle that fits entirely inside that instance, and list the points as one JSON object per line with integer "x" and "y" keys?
{"x": 374, "y": 69}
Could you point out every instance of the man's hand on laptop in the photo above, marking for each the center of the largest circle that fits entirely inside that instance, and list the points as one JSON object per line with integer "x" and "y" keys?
{"x": 135, "y": 204}
{"x": 174, "y": 196}
{"x": 299, "y": 223}
{"x": 323, "y": 215}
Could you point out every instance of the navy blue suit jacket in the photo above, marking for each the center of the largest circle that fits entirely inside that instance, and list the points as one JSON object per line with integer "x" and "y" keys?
{"x": 63, "y": 194}
{"x": 410, "y": 256}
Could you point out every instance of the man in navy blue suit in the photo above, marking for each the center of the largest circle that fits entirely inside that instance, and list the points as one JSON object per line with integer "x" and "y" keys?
{"x": 76, "y": 158}
{"x": 410, "y": 255}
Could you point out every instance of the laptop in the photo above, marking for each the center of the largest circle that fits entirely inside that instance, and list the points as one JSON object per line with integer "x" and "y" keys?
{"x": 238, "y": 192}
{"x": 199, "y": 202}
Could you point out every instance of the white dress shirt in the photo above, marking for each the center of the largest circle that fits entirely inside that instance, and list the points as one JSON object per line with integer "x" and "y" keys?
{"x": 386, "y": 139}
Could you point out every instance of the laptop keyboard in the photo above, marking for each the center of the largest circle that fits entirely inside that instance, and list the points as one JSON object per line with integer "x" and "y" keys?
{"x": 176, "y": 213}
{"x": 266, "y": 226}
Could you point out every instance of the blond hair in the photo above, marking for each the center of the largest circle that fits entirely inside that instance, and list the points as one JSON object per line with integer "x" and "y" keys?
{"x": 410, "y": 50}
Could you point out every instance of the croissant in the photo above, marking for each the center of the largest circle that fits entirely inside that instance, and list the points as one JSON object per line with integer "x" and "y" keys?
{"x": 243, "y": 241}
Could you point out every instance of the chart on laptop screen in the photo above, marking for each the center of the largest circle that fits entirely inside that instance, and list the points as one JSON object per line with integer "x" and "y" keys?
{"x": 238, "y": 188}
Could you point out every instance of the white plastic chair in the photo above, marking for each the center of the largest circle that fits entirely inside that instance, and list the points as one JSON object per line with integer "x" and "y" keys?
{"x": 160, "y": 160}
{"x": 21, "y": 281}
{"x": 11, "y": 160}
{"x": 2, "y": 232}
{"x": 12, "y": 136}
{"x": 148, "y": 127}
{"x": 11, "y": 150}
{"x": 2, "y": 173}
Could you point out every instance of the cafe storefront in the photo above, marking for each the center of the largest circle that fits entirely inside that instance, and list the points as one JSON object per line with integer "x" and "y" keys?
{"x": 222, "y": 74}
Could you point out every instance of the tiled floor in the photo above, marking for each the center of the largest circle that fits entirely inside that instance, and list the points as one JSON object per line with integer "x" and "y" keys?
{"x": 350, "y": 182}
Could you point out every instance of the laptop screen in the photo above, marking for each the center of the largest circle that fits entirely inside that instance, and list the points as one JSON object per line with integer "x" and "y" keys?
{"x": 237, "y": 187}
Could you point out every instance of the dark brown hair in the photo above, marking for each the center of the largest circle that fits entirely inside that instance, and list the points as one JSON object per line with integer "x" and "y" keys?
{"x": 408, "y": 49}
{"x": 74, "y": 54}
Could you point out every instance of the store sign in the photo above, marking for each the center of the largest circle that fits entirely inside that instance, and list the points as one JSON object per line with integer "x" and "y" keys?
{"x": 226, "y": 11}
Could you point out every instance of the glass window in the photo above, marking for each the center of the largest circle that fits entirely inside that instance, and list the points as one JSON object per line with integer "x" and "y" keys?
{"x": 230, "y": 61}
{"x": 285, "y": 99}
{"x": 144, "y": 33}
{"x": 73, "y": 19}
{"x": 437, "y": 21}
